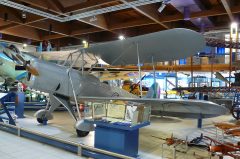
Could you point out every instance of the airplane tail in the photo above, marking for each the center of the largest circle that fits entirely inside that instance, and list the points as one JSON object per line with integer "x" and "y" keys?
{"x": 154, "y": 91}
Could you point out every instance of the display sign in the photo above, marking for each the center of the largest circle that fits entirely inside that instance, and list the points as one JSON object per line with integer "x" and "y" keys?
{"x": 99, "y": 110}
{"x": 116, "y": 111}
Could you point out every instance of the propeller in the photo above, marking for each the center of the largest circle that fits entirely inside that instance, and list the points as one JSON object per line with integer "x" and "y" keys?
{"x": 8, "y": 52}
{"x": 26, "y": 66}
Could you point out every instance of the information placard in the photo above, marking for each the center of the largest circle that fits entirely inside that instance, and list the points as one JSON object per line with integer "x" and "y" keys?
{"x": 116, "y": 111}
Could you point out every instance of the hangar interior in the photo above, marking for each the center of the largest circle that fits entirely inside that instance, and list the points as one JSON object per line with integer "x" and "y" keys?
{"x": 120, "y": 79}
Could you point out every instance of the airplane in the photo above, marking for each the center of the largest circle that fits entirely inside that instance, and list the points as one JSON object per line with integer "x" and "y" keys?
{"x": 8, "y": 75}
{"x": 172, "y": 140}
{"x": 65, "y": 84}
{"x": 229, "y": 128}
{"x": 196, "y": 142}
{"x": 223, "y": 148}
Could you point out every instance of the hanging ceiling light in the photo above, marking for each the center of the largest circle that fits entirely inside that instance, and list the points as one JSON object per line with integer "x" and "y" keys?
{"x": 24, "y": 15}
{"x": 24, "y": 45}
{"x": 121, "y": 37}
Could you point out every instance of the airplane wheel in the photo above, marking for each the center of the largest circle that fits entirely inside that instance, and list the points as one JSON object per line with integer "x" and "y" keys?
{"x": 82, "y": 133}
{"x": 236, "y": 111}
{"x": 40, "y": 120}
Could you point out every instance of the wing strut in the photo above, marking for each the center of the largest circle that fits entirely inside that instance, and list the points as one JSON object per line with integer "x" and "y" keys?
{"x": 74, "y": 94}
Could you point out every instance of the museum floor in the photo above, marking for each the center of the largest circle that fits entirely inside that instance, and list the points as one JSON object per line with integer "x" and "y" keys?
{"x": 150, "y": 144}
{"x": 13, "y": 147}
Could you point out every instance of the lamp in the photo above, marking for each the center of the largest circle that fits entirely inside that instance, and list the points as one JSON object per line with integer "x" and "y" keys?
{"x": 121, "y": 37}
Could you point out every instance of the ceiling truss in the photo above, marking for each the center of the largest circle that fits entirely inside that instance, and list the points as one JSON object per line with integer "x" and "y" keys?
{"x": 65, "y": 23}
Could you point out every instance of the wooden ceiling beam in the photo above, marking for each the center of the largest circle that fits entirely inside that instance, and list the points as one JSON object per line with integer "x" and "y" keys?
{"x": 216, "y": 11}
{"x": 226, "y": 5}
{"x": 99, "y": 21}
{"x": 85, "y": 31}
{"x": 52, "y": 36}
{"x": 56, "y": 5}
{"x": 8, "y": 26}
{"x": 34, "y": 22}
{"x": 10, "y": 16}
{"x": 13, "y": 25}
{"x": 113, "y": 27}
{"x": 10, "y": 38}
{"x": 149, "y": 11}
{"x": 43, "y": 5}
{"x": 24, "y": 32}
{"x": 13, "y": 16}
{"x": 73, "y": 33}
{"x": 87, "y": 5}
{"x": 129, "y": 24}
{"x": 59, "y": 28}
{"x": 165, "y": 19}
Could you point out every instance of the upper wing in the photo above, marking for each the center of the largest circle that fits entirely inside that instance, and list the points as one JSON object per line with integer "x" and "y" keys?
{"x": 171, "y": 107}
{"x": 162, "y": 46}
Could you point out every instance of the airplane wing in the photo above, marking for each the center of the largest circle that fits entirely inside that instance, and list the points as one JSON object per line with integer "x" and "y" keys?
{"x": 169, "y": 107}
{"x": 61, "y": 56}
{"x": 163, "y": 46}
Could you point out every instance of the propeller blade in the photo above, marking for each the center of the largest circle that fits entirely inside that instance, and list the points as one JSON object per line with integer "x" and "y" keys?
{"x": 11, "y": 56}
{"x": 15, "y": 58}
{"x": 32, "y": 70}
{"x": 21, "y": 58}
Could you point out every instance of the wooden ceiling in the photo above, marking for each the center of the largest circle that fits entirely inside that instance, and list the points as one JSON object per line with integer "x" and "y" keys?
{"x": 213, "y": 14}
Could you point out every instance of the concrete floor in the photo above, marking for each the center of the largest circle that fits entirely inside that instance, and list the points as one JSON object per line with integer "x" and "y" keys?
{"x": 150, "y": 147}
{"x": 13, "y": 147}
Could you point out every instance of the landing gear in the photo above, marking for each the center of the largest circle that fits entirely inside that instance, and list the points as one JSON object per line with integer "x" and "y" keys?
{"x": 236, "y": 106}
{"x": 43, "y": 116}
{"x": 236, "y": 111}
{"x": 82, "y": 133}
{"x": 40, "y": 120}
{"x": 83, "y": 128}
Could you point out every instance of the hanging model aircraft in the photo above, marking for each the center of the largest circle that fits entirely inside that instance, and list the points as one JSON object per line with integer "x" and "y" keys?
{"x": 65, "y": 84}
{"x": 222, "y": 149}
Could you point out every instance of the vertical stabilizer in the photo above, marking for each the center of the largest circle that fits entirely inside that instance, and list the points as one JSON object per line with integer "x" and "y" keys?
{"x": 154, "y": 91}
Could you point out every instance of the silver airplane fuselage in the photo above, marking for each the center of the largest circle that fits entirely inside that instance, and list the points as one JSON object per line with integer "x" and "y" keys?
{"x": 57, "y": 79}
{"x": 61, "y": 81}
